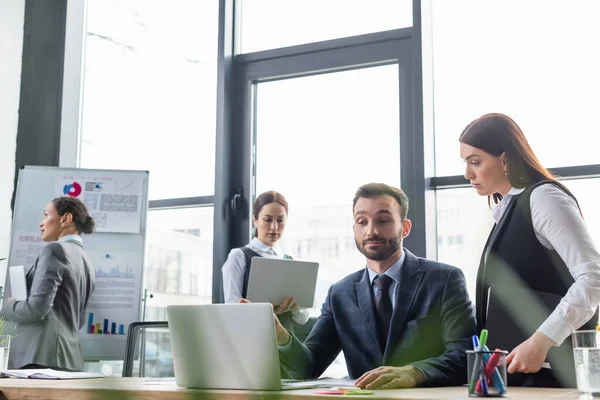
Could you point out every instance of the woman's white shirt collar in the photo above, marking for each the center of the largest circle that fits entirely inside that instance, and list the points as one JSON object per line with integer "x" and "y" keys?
{"x": 257, "y": 244}
{"x": 499, "y": 209}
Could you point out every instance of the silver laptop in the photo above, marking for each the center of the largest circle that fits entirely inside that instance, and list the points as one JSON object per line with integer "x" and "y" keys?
{"x": 226, "y": 346}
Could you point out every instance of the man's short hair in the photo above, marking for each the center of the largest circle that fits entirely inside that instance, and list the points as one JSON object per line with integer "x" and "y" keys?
{"x": 371, "y": 190}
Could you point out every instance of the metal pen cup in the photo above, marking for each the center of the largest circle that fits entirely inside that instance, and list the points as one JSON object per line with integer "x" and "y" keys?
{"x": 486, "y": 373}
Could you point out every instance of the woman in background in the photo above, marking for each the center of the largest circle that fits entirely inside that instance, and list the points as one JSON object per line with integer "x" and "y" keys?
{"x": 539, "y": 244}
{"x": 59, "y": 286}
{"x": 269, "y": 215}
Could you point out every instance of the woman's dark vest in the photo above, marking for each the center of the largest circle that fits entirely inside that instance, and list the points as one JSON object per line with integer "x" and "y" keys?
{"x": 285, "y": 319}
{"x": 513, "y": 262}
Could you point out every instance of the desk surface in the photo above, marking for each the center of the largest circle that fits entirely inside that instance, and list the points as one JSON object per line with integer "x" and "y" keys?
{"x": 140, "y": 388}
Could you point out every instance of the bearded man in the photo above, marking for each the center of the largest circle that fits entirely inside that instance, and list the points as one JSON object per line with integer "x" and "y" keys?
{"x": 402, "y": 321}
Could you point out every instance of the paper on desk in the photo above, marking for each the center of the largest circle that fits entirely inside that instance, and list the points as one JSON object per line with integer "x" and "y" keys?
{"x": 48, "y": 373}
{"x": 160, "y": 381}
{"x": 18, "y": 287}
{"x": 339, "y": 383}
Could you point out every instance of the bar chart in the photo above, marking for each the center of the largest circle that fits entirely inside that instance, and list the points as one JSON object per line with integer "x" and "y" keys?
{"x": 105, "y": 328}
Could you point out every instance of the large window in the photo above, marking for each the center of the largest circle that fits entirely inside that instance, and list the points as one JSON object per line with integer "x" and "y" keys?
{"x": 178, "y": 259}
{"x": 319, "y": 138}
{"x": 149, "y": 103}
{"x": 464, "y": 221}
{"x": 149, "y": 92}
{"x": 535, "y": 60}
{"x": 331, "y": 136}
{"x": 269, "y": 24}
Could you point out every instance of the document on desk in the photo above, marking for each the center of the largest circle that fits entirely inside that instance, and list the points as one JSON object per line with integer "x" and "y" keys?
{"x": 48, "y": 373}
{"x": 290, "y": 384}
{"x": 18, "y": 286}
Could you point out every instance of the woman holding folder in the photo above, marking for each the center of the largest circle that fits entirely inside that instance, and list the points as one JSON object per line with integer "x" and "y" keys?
{"x": 539, "y": 246}
{"x": 269, "y": 215}
{"x": 59, "y": 286}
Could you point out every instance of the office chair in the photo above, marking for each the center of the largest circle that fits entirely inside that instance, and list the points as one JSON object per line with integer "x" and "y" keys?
{"x": 149, "y": 342}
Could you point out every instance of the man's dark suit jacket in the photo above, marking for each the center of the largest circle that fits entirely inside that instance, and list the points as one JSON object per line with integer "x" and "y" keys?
{"x": 431, "y": 326}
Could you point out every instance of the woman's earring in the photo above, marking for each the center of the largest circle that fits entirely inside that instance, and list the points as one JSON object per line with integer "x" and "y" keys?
{"x": 505, "y": 173}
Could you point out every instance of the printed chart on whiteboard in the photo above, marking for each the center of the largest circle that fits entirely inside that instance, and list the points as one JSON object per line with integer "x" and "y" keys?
{"x": 118, "y": 202}
{"x": 114, "y": 303}
{"x": 115, "y": 203}
{"x": 26, "y": 247}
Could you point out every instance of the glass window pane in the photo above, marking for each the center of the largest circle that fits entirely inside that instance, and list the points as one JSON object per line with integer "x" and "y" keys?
{"x": 331, "y": 137}
{"x": 464, "y": 221}
{"x": 269, "y": 24}
{"x": 491, "y": 57}
{"x": 149, "y": 92}
{"x": 179, "y": 259}
{"x": 586, "y": 192}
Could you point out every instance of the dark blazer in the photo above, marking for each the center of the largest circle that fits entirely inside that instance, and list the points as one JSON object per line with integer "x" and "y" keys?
{"x": 59, "y": 286}
{"x": 431, "y": 326}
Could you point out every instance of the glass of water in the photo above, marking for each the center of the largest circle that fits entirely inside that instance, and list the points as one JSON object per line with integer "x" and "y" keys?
{"x": 4, "y": 350}
{"x": 586, "y": 352}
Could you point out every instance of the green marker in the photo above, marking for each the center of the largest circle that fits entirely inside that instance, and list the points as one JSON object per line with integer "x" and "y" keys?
{"x": 483, "y": 339}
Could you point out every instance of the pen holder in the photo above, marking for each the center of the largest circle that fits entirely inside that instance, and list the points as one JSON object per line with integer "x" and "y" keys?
{"x": 486, "y": 373}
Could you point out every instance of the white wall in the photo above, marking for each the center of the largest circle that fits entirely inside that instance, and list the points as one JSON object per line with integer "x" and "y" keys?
{"x": 12, "y": 14}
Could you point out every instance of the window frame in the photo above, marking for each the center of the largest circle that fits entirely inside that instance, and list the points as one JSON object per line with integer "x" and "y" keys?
{"x": 363, "y": 51}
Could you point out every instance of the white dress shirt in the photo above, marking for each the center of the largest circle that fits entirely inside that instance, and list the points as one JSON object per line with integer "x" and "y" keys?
{"x": 72, "y": 237}
{"x": 235, "y": 267}
{"x": 559, "y": 226}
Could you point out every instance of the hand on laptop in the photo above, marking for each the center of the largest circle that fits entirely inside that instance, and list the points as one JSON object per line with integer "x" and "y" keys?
{"x": 288, "y": 304}
{"x": 390, "y": 378}
{"x": 283, "y": 336}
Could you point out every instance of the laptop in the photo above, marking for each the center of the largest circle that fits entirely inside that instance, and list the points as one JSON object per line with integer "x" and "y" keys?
{"x": 272, "y": 279}
{"x": 227, "y": 346}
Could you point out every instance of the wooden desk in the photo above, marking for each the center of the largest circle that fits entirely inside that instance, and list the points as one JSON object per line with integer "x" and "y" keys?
{"x": 140, "y": 388}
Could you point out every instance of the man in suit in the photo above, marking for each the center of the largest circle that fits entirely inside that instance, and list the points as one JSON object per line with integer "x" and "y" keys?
{"x": 403, "y": 321}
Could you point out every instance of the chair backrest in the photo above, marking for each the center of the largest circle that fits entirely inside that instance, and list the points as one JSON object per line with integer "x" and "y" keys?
{"x": 149, "y": 342}
{"x": 151, "y": 339}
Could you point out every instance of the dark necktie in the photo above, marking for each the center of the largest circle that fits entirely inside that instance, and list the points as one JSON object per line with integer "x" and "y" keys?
{"x": 383, "y": 307}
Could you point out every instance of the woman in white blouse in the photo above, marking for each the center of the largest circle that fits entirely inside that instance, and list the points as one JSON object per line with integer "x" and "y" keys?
{"x": 539, "y": 243}
{"x": 269, "y": 215}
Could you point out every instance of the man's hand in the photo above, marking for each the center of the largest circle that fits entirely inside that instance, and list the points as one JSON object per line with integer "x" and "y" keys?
{"x": 390, "y": 378}
{"x": 283, "y": 336}
{"x": 529, "y": 356}
{"x": 288, "y": 304}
